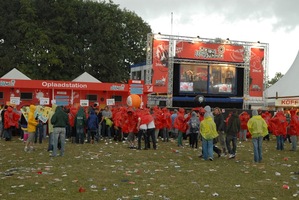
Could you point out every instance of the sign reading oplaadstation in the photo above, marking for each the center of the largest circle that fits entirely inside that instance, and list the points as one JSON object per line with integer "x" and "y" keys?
{"x": 287, "y": 102}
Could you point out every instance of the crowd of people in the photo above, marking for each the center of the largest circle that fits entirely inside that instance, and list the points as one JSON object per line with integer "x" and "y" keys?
{"x": 142, "y": 127}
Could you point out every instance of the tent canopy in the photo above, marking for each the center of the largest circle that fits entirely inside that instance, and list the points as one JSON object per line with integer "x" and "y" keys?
{"x": 15, "y": 74}
{"x": 86, "y": 77}
{"x": 287, "y": 86}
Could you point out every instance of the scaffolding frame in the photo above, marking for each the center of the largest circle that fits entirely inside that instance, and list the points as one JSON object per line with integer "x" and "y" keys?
{"x": 172, "y": 60}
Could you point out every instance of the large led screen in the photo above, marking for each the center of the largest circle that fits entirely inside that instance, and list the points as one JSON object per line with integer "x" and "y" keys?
{"x": 207, "y": 79}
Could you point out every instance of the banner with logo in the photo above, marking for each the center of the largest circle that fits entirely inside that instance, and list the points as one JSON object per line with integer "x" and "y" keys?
{"x": 160, "y": 65}
{"x": 210, "y": 51}
{"x": 256, "y": 74}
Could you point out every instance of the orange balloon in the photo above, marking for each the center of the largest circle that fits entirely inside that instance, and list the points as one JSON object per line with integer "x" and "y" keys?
{"x": 134, "y": 100}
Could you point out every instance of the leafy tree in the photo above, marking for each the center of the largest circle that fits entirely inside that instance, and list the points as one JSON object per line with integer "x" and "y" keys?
{"x": 9, "y": 34}
{"x": 59, "y": 40}
{"x": 278, "y": 75}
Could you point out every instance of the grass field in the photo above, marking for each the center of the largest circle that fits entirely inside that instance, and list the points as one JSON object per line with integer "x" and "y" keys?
{"x": 113, "y": 171}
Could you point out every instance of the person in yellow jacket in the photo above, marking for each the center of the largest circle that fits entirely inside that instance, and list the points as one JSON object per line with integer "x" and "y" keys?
{"x": 51, "y": 128}
{"x": 258, "y": 129}
{"x": 31, "y": 128}
{"x": 208, "y": 132}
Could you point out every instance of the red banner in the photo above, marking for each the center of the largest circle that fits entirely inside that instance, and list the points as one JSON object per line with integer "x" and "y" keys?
{"x": 49, "y": 84}
{"x": 256, "y": 86}
{"x": 68, "y": 85}
{"x": 160, "y": 65}
{"x": 210, "y": 51}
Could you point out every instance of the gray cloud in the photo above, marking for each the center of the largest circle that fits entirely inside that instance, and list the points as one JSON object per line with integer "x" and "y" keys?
{"x": 285, "y": 12}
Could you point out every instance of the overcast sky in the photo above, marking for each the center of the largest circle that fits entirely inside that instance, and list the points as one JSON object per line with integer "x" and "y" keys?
{"x": 269, "y": 21}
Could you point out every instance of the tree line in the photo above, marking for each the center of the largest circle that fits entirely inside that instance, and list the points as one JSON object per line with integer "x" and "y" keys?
{"x": 59, "y": 40}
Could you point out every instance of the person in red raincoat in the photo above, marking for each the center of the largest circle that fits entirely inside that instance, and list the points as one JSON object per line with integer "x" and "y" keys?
{"x": 11, "y": 122}
{"x": 201, "y": 113}
{"x": 166, "y": 124}
{"x": 267, "y": 116}
{"x": 119, "y": 121}
{"x": 244, "y": 118}
{"x": 187, "y": 133}
{"x": 130, "y": 127}
{"x": 72, "y": 115}
{"x": 180, "y": 123}
{"x": 278, "y": 125}
{"x": 294, "y": 129}
{"x": 156, "y": 112}
{"x": 144, "y": 118}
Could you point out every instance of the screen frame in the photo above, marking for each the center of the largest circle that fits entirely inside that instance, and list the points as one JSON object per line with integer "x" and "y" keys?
{"x": 208, "y": 92}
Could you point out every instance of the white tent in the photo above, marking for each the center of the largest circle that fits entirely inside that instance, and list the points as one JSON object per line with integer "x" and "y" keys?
{"x": 15, "y": 74}
{"x": 287, "y": 86}
{"x": 86, "y": 77}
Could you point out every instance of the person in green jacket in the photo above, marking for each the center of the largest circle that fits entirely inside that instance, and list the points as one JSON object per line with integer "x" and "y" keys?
{"x": 208, "y": 132}
{"x": 258, "y": 129}
{"x": 59, "y": 120}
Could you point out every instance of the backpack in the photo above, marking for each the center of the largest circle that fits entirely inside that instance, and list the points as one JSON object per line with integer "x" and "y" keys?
{"x": 92, "y": 122}
{"x": 194, "y": 124}
{"x": 79, "y": 121}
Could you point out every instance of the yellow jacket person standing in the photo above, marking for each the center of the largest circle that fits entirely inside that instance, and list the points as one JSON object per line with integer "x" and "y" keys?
{"x": 258, "y": 128}
{"x": 31, "y": 127}
{"x": 208, "y": 132}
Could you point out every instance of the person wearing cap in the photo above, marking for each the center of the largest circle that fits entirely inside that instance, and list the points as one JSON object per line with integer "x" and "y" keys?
{"x": 208, "y": 132}
{"x": 258, "y": 129}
